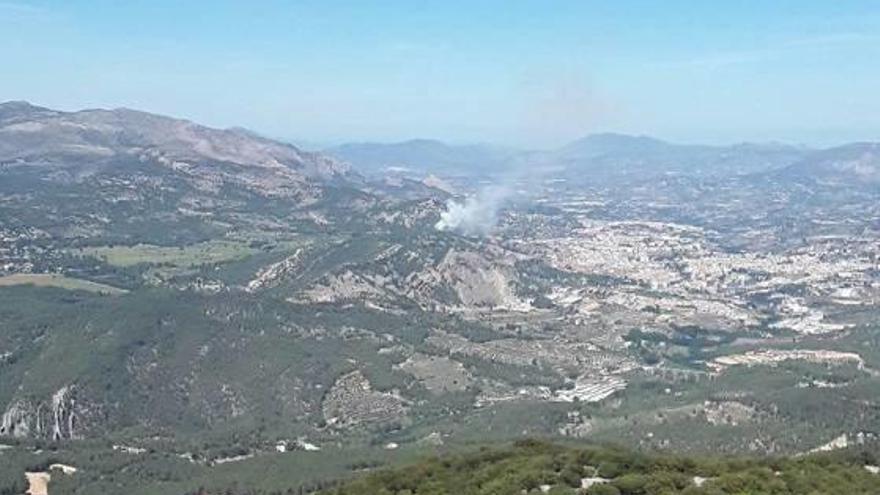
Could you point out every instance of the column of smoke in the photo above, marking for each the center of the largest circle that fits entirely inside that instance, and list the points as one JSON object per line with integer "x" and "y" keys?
{"x": 561, "y": 106}
{"x": 478, "y": 214}
{"x": 475, "y": 215}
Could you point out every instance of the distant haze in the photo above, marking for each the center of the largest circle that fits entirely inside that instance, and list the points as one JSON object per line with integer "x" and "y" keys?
{"x": 529, "y": 74}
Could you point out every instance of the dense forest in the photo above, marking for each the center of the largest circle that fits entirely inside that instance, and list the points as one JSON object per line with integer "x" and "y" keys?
{"x": 539, "y": 467}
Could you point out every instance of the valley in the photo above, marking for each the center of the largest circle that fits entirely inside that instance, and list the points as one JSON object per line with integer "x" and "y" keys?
{"x": 176, "y": 298}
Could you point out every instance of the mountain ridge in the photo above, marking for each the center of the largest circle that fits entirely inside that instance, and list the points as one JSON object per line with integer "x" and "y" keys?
{"x": 79, "y": 144}
{"x": 603, "y": 155}
{"x": 857, "y": 163}
{"x": 128, "y": 128}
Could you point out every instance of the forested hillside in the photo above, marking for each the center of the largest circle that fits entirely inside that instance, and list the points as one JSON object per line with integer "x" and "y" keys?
{"x": 537, "y": 467}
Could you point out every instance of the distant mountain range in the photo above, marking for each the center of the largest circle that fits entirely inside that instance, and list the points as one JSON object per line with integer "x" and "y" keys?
{"x": 618, "y": 157}
{"x": 622, "y": 157}
{"x": 74, "y": 145}
{"x": 852, "y": 163}
{"x": 425, "y": 156}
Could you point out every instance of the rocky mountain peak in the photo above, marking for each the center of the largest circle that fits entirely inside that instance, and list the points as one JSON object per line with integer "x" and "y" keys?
{"x": 100, "y": 138}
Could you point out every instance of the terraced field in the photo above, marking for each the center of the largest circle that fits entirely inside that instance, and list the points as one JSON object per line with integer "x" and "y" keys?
{"x": 58, "y": 281}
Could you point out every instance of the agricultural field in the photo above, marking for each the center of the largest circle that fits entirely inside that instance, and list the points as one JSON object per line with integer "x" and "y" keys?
{"x": 58, "y": 281}
{"x": 179, "y": 257}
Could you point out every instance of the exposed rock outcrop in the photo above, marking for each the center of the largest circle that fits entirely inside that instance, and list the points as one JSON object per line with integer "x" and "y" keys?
{"x": 57, "y": 418}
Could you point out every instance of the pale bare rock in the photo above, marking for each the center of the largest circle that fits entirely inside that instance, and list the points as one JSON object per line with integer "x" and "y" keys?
{"x": 346, "y": 286}
{"x": 58, "y": 418}
{"x": 63, "y": 414}
{"x": 129, "y": 450}
{"x": 588, "y": 482}
{"x": 22, "y": 419}
{"x": 839, "y": 442}
{"x": 38, "y": 483}
{"x": 64, "y": 468}
{"x": 272, "y": 274}
{"x": 481, "y": 281}
{"x": 227, "y": 460}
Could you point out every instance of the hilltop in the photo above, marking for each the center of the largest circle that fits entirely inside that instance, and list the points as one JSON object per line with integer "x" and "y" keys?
{"x": 537, "y": 467}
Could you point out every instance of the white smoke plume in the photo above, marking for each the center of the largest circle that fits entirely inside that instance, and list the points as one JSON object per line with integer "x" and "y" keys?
{"x": 475, "y": 215}
{"x": 478, "y": 214}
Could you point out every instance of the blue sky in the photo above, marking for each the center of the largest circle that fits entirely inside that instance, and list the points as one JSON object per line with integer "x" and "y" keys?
{"x": 524, "y": 73}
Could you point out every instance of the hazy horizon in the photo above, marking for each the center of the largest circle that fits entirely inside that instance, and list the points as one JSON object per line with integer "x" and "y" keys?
{"x": 312, "y": 145}
{"x": 524, "y": 74}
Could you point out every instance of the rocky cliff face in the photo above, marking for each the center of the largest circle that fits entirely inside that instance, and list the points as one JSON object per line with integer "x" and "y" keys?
{"x": 56, "y": 417}
{"x": 426, "y": 272}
